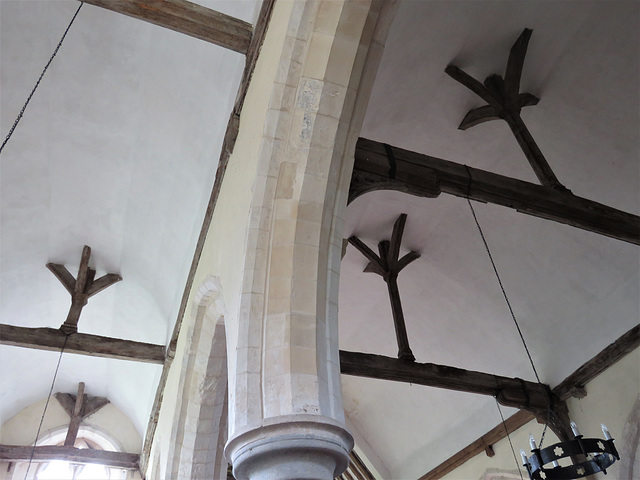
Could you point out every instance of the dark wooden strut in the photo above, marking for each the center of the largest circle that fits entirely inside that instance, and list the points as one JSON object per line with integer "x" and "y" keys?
{"x": 90, "y": 404}
{"x": 388, "y": 265}
{"x": 76, "y": 418}
{"x": 573, "y": 385}
{"x": 505, "y": 101}
{"x": 187, "y": 18}
{"x": 81, "y": 343}
{"x": 81, "y": 288}
{"x": 16, "y": 453}
{"x": 426, "y": 176}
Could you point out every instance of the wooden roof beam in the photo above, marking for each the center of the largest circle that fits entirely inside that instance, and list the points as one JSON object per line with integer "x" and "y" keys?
{"x": 188, "y": 18}
{"x": 81, "y": 343}
{"x": 511, "y": 392}
{"x": 381, "y": 167}
{"x": 573, "y": 385}
{"x": 16, "y": 453}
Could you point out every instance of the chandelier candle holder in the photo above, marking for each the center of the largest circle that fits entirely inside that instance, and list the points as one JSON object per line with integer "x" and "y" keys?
{"x": 598, "y": 455}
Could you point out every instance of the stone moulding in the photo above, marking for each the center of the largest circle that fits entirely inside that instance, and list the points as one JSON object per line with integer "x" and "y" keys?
{"x": 291, "y": 447}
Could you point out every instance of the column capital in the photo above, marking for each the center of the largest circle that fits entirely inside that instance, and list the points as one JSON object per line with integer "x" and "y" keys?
{"x": 305, "y": 447}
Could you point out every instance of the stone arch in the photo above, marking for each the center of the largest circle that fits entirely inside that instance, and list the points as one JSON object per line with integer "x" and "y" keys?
{"x": 199, "y": 429}
{"x": 287, "y": 362}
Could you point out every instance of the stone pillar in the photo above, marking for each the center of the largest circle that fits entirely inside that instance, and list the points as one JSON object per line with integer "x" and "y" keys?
{"x": 286, "y": 419}
{"x": 292, "y": 447}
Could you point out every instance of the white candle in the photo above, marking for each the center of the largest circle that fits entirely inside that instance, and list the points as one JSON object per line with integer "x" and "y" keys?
{"x": 524, "y": 457}
{"x": 574, "y": 428}
{"x": 532, "y": 442}
{"x": 605, "y": 431}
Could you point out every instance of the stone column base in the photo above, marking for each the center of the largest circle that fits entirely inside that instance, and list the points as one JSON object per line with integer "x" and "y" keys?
{"x": 296, "y": 447}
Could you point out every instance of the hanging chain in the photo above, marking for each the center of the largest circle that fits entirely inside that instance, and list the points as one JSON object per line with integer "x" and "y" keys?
{"x": 504, "y": 293}
{"x": 506, "y": 430}
{"x": 15, "y": 124}
{"x": 46, "y": 405}
{"x": 543, "y": 432}
{"x": 550, "y": 412}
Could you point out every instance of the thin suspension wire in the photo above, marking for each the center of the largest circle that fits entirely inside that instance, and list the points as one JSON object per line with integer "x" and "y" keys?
{"x": 544, "y": 431}
{"x": 506, "y": 430}
{"x": 504, "y": 293}
{"x": 15, "y": 124}
{"x": 46, "y": 405}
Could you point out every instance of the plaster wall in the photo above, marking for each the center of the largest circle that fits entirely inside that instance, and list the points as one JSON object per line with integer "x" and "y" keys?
{"x": 611, "y": 398}
{"x": 224, "y": 247}
{"x": 107, "y": 423}
{"x": 21, "y": 428}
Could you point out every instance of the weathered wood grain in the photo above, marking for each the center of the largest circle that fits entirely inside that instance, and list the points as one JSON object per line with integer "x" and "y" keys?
{"x": 76, "y": 417}
{"x": 427, "y": 176}
{"x": 388, "y": 265}
{"x": 187, "y": 18}
{"x": 81, "y": 288}
{"x": 91, "y": 404}
{"x": 505, "y": 101}
{"x": 65, "y": 277}
{"x": 512, "y": 392}
{"x": 610, "y": 355}
{"x": 81, "y": 343}
{"x": 15, "y": 453}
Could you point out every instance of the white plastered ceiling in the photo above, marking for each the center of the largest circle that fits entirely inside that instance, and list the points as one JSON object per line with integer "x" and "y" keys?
{"x": 117, "y": 150}
{"x": 573, "y": 292}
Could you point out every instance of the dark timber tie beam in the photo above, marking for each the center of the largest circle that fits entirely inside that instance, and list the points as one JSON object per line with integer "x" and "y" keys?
{"x": 505, "y": 101}
{"x": 80, "y": 288}
{"x": 187, "y": 18}
{"x": 81, "y": 343}
{"x": 510, "y": 392}
{"x": 426, "y": 176}
{"x": 388, "y": 265}
{"x": 42, "y": 453}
